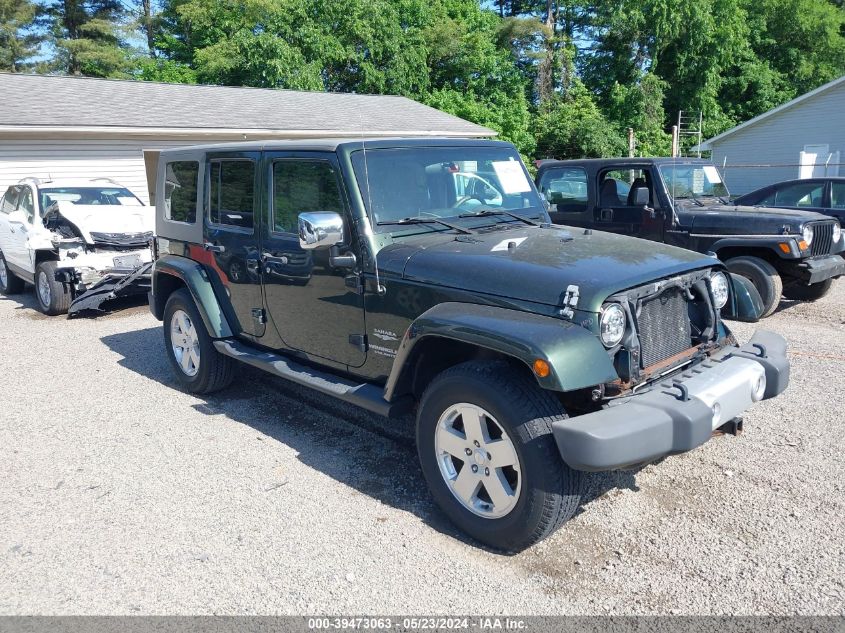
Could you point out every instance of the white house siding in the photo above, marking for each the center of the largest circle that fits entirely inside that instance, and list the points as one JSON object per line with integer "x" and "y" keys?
{"x": 121, "y": 160}
{"x": 780, "y": 138}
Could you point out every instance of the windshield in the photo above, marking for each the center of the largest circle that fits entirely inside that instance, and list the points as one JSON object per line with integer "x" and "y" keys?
{"x": 693, "y": 181}
{"x": 427, "y": 183}
{"x": 88, "y": 195}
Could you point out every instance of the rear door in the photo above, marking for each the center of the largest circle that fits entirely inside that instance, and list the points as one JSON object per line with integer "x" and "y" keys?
{"x": 314, "y": 307}
{"x": 231, "y": 225}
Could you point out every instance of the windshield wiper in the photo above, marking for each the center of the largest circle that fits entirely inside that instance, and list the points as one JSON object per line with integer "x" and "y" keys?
{"x": 405, "y": 221}
{"x": 488, "y": 212}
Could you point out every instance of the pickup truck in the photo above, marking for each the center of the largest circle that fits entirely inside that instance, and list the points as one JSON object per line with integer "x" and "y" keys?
{"x": 423, "y": 276}
{"x": 684, "y": 202}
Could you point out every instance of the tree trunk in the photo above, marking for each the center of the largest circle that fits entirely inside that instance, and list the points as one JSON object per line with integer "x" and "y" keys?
{"x": 148, "y": 26}
{"x": 545, "y": 72}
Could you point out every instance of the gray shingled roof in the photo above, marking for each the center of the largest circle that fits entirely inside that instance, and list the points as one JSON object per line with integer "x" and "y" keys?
{"x": 58, "y": 101}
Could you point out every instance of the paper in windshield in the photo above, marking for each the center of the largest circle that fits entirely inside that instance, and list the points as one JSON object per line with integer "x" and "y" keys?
{"x": 511, "y": 176}
{"x": 712, "y": 174}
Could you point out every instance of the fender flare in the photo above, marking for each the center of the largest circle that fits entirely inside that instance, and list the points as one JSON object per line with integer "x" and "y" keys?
{"x": 199, "y": 283}
{"x": 766, "y": 243}
{"x": 576, "y": 357}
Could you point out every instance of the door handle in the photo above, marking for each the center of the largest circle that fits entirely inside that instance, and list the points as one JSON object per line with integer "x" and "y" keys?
{"x": 214, "y": 248}
{"x": 267, "y": 258}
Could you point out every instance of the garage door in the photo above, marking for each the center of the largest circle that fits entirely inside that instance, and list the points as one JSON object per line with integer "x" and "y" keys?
{"x": 122, "y": 161}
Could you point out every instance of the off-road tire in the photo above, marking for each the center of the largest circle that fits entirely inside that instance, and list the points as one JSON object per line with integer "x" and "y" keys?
{"x": 58, "y": 296}
{"x": 14, "y": 285}
{"x": 215, "y": 371}
{"x": 550, "y": 493}
{"x": 813, "y": 292}
{"x": 763, "y": 275}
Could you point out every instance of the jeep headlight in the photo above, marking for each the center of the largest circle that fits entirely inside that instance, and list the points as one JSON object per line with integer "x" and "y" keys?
{"x": 719, "y": 288}
{"x": 807, "y": 234}
{"x": 612, "y": 324}
{"x": 837, "y": 233}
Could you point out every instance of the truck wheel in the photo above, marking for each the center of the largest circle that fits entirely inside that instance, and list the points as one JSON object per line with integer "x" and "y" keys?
{"x": 763, "y": 275}
{"x": 53, "y": 296}
{"x": 9, "y": 284}
{"x": 198, "y": 366}
{"x": 813, "y": 292}
{"x": 488, "y": 455}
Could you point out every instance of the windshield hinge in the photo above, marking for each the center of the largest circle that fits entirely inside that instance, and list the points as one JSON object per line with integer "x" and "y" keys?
{"x": 259, "y": 316}
{"x": 355, "y": 283}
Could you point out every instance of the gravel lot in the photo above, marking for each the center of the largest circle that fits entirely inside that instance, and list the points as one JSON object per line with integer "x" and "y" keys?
{"x": 123, "y": 495}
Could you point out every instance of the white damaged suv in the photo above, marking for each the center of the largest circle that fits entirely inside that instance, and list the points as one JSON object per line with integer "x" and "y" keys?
{"x": 68, "y": 237}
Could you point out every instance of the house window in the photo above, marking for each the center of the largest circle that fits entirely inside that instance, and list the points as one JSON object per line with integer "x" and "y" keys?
{"x": 180, "y": 191}
{"x": 231, "y": 193}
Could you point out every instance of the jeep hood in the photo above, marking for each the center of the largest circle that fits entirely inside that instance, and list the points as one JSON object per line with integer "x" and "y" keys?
{"x": 726, "y": 219}
{"x": 107, "y": 218}
{"x": 541, "y": 264}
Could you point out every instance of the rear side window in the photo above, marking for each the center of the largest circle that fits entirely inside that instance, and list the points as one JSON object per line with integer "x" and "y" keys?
{"x": 180, "y": 191}
{"x": 565, "y": 187}
{"x": 231, "y": 193}
{"x": 10, "y": 200}
{"x": 301, "y": 186}
{"x": 837, "y": 195}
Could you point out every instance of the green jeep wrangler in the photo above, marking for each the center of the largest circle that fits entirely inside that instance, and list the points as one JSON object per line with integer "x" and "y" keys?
{"x": 424, "y": 275}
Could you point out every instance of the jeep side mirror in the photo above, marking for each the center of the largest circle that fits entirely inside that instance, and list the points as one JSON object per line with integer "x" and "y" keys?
{"x": 641, "y": 197}
{"x": 320, "y": 229}
{"x": 744, "y": 301}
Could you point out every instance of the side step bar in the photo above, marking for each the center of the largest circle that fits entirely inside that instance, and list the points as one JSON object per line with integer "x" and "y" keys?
{"x": 365, "y": 395}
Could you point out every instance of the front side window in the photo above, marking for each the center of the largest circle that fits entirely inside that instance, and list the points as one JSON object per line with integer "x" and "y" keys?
{"x": 231, "y": 192}
{"x": 10, "y": 200}
{"x": 180, "y": 191}
{"x": 565, "y": 187}
{"x": 693, "y": 181}
{"x": 800, "y": 195}
{"x": 26, "y": 204}
{"x": 301, "y": 186}
{"x": 837, "y": 195}
{"x": 421, "y": 183}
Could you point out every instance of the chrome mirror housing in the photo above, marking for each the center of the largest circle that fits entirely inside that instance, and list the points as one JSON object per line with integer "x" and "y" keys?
{"x": 320, "y": 229}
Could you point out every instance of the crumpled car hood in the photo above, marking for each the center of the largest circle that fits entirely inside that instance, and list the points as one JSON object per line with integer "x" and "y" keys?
{"x": 120, "y": 219}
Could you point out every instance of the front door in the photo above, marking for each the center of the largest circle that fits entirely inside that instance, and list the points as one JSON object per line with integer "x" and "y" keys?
{"x": 18, "y": 253}
{"x": 615, "y": 210}
{"x": 231, "y": 229}
{"x": 314, "y": 306}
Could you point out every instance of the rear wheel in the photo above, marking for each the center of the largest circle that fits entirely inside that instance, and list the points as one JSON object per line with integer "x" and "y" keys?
{"x": 197, "y": 365}
{"x": 813, "y": 292}
{"x": 763, "y": 275}
{"x": 488, "y": 454}
{"x": 53, "y": 296}
{"x": 9, "y": 284}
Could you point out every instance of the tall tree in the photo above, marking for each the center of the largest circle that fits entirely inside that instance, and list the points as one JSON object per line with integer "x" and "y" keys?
{"x": 88, "y": 37}
{"x": 19, "y": 40}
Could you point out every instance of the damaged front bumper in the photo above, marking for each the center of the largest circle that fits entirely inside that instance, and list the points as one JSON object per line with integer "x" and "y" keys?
{"x": 678, "y": 413}
{"x": 101, "y": 275}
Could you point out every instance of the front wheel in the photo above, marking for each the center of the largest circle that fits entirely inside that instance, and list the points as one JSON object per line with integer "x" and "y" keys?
{"x": 763, "y": 275}
{"x": 813, "y": 292}
{"x": 197, "y": 365}
{"x": 53, "y": 296}
{"x": 489, "y": 457}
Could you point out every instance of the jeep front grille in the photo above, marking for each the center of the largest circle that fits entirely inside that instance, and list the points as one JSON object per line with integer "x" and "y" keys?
{"x": 664, "y": 327}
{"x": 822, "y": 239}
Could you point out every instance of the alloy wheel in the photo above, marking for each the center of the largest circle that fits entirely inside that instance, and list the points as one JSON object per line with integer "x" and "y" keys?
{"x": 184, "y": 342}
{"x": 478, "y": 461}
{"x": 43, "y": 287}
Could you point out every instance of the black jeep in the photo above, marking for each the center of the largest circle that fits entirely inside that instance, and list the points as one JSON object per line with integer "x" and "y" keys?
{"x": 424, "y": 275}
{"x": 684, "y": 202}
